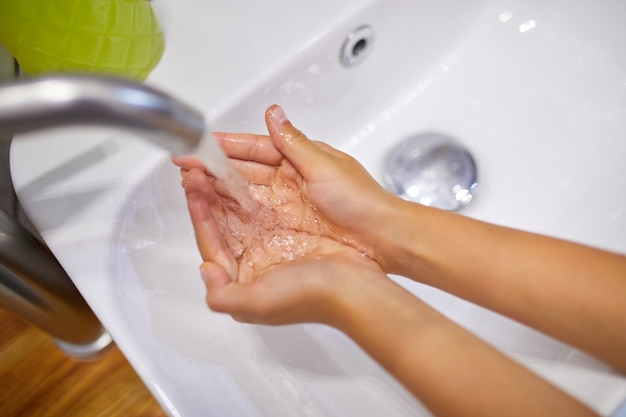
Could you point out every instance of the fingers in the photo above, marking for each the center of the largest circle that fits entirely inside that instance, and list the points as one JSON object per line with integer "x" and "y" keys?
{"x": 215, "y": 278}
{"x": 249, "y": 147}
{"x": 255, "y": 156}
{"x": 200, "y": 201}
{"x": 226, "y": 296}
{"x": 239, "y": 147}
{"x": 188, "y": 162}
{"x": 223, "y": 295}
{"x": 254, "y": 172}
{"x": 292, "y": 143}
{"x": 258, "y": 156}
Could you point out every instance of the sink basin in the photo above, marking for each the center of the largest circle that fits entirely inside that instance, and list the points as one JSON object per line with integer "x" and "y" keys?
{"x": 535, "y": 90}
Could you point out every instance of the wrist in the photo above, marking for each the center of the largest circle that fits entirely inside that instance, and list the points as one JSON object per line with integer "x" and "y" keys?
{"x": 396, "y": 241}
{"x": 373, "y": 303}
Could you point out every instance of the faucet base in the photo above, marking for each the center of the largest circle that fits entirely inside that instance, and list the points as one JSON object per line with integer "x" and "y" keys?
{"x": 87, "y": 351}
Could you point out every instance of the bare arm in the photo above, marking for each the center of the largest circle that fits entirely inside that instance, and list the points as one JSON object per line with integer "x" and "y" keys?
{"x": 450, "y": 370}
{"x": 572, "y": 292}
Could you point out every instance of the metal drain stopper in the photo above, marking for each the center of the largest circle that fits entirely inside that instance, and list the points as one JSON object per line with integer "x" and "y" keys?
{"x": 432, "y": 169}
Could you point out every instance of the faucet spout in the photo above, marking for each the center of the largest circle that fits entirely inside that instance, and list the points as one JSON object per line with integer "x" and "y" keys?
{"x": 94, "y": 100}
{"x": 33, "y": 285}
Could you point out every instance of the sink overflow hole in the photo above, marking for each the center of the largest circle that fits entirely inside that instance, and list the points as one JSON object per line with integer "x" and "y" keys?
{"x": 357, "y": 46}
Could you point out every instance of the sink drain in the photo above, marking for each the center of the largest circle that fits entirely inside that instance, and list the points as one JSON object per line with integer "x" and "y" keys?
{"x": 433, "y": 170}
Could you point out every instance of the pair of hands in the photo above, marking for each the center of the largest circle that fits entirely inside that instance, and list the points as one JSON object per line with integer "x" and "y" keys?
{"x": 309, "y": 245}
{"x": 323, "y": 237}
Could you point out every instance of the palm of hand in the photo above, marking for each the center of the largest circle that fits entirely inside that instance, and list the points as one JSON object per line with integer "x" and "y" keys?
{"x": 286, "y": 229}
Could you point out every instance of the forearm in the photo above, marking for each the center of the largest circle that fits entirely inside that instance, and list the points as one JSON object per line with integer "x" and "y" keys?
{"x": 449, "y": 370}
{"x": 570, "y": 291}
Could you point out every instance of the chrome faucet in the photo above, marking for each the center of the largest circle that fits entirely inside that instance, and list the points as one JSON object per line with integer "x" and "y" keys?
{"x": 80, "y": 100}
{"x": 33, "y": 285}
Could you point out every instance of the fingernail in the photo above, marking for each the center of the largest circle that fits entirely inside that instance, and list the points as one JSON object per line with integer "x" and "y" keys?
{"x": 204, "y": 273}
{"x": 278, "y": 116}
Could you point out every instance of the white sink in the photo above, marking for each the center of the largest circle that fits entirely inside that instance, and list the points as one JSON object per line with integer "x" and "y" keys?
{"x": 535, "y": 90}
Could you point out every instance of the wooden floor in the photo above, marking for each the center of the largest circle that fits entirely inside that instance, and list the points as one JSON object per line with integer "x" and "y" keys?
{"x": 36, "y": 379}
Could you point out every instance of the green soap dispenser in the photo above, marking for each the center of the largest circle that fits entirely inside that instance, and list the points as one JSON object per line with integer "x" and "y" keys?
{"x": 113, "y": 37}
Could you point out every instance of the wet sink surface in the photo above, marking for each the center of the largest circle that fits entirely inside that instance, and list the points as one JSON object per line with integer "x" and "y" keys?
{"x": 537, "y": 93}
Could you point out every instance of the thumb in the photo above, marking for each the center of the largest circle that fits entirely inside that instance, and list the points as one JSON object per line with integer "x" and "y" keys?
{"x": 290, "y": 141}
{"x": 215, "y": 279}
{"x": 245, "y": 302}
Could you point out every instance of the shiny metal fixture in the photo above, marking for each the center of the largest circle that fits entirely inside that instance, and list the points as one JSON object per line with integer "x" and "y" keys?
{"x": 33, "y": 285}
{"x": 432, "y": 169}
{"x": 35, "y": 288}
{"x": 61, "y": 101}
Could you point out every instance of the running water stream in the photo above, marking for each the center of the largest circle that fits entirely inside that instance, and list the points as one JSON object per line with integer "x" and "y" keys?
{"x": 275, "y": 226}
{"x": 212, "y": 156}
